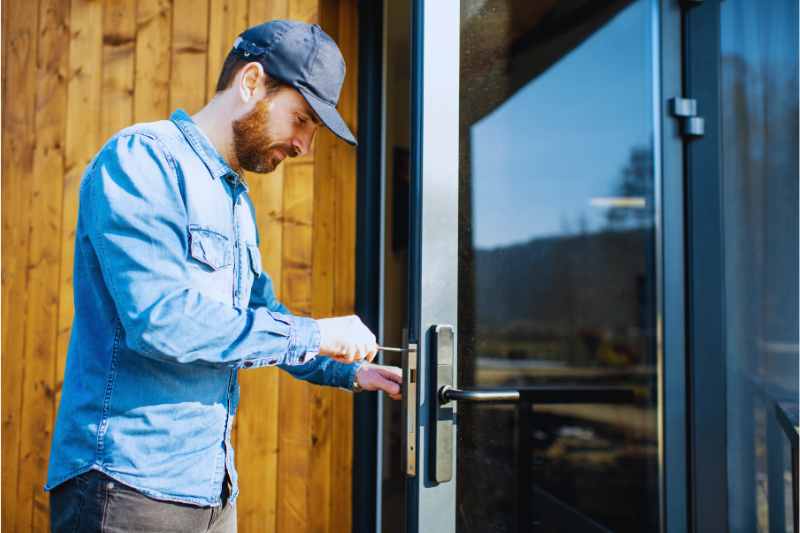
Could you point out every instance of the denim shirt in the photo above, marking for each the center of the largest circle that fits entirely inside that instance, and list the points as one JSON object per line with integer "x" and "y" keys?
{"x": 170, "y": 302}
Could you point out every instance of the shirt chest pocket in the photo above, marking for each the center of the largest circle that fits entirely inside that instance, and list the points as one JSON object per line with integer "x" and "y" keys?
{"x": 210, "y": 260}
{"x": 210, "y": 248}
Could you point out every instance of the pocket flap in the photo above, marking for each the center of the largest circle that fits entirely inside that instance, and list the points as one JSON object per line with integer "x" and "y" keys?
{"x": 255, "y": 258}
{"x": 210, "y": 247}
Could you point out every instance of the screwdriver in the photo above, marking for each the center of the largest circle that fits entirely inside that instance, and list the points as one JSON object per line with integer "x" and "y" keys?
{"x": 391, "y": 349}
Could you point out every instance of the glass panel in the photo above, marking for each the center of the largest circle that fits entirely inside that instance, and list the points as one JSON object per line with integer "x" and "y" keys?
{"x": 397, "y": 87}
{"x": 760, "y": 168}
{"x": 557, "y": 268}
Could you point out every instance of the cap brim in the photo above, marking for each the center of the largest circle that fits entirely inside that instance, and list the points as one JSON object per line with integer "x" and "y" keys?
{"x": 329, "y": 116}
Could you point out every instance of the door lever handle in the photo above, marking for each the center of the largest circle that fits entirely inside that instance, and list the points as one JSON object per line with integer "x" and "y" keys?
{"x": 448, "y": 394}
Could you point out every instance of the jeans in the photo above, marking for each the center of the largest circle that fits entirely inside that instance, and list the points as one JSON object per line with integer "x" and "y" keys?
{"x": 94, "y": 502}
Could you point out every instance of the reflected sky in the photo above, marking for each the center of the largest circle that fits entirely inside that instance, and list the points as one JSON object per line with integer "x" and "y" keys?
{"x": 540, "y": 158}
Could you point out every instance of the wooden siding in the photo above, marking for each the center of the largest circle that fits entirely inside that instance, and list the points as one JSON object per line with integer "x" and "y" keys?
{"x": 74, "y": 72}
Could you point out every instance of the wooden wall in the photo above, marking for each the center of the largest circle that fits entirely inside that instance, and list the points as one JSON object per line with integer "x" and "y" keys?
{"x": 74, "y": 72}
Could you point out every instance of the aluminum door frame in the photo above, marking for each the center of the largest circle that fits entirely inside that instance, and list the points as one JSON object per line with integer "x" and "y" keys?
{"x": 433, "y": 248}
{"x": 433, "y": 243}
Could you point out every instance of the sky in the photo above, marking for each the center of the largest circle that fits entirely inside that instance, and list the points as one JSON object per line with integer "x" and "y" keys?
{"x": 562, "y": 139}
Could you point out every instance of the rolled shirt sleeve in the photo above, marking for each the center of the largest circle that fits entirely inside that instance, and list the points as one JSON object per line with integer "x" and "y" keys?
{"x": 138, "y": 229}
{"x": 321, "y": 370}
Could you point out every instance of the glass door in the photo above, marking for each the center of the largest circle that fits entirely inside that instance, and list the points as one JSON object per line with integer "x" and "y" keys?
{"x": 536, "y": 305}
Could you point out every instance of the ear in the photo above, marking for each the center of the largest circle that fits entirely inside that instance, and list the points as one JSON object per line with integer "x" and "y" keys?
{"x": 250, "y": 82}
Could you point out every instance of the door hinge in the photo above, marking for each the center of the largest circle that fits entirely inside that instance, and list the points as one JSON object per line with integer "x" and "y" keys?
{"x": 685, "y": 110}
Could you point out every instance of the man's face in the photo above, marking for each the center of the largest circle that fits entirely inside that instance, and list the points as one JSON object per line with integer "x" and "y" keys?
{"x": 280, "y": 125}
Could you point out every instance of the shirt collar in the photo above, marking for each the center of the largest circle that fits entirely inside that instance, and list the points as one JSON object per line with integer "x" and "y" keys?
{"x": 201, "y": 144}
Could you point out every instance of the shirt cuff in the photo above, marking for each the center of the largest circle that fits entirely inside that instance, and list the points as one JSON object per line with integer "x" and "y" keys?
{"x": 350, "y": 375}
{"x": 304, "y": 340}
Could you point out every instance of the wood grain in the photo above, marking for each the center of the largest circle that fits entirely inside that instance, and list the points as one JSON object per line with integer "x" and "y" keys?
{"x": 43, "y": 263}
{"x": 339, "y": 19}
{"x": 228, "y": 19}
{"x": 19, "y": 134}
{"x": 153, "y": 60}
{"x": 119, "y": 43}
{"x": 295, "y": 396}
{"x": 189, "y": 55}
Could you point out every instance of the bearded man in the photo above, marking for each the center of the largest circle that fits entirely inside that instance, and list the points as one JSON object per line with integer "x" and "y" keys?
{"x": 171, "y": 299}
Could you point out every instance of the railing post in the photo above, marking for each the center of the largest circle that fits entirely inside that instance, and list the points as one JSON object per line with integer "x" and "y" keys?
{"x": 524, "y": 515}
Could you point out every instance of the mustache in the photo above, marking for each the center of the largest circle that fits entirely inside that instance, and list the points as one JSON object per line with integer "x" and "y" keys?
{"x": 289, "y": 150}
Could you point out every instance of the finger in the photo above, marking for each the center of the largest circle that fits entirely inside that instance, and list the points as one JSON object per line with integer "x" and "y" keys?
{"x": 372, "y": 351}
{"x": 389, "y": 387}
{"x": 351, "y": 353}
{"x": 359, "y": 352}
{"x": 392, "y": 373}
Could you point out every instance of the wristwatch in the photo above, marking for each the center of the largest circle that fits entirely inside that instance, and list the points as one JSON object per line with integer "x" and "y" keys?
{"x": 356, "y": 387}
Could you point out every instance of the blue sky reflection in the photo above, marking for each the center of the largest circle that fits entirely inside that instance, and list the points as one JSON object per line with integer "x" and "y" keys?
{"x": 539, "y": 159}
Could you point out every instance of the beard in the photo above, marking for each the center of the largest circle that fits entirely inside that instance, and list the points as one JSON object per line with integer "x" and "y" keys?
{"x": 256, "y": 150}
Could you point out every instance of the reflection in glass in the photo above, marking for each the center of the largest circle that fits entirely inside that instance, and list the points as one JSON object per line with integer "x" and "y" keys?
{"x": 557, "y": 266}
{"x": 760, "y": 169}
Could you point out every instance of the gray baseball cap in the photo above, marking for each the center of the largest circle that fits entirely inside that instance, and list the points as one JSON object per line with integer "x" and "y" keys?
{"x": 305, "y": 57}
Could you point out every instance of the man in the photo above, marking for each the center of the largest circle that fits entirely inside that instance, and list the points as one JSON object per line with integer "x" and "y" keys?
{"x": 171, "y": 300}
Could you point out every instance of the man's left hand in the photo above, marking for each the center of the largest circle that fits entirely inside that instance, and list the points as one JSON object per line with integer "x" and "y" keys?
{"x": 372, "y": 377}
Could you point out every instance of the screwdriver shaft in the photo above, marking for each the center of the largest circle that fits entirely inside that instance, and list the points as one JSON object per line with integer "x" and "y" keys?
{"x": 391, "y": 349}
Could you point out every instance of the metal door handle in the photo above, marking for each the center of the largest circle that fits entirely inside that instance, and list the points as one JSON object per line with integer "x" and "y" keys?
{"x": 544, "y": 394}
{"x": 448, "y": 394}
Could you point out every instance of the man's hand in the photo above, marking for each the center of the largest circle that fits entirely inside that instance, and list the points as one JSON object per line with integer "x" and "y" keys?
{"x": 346, "y": 339}
{"x": 380, "y": 377}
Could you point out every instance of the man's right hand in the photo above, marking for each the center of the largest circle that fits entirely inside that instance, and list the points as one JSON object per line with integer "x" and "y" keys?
{"x": 346, "y": 339}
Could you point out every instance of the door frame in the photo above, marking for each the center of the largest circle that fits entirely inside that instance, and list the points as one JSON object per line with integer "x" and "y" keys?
{"x": 676, "y": 457}
{"x": 433, "y": 239}
{"x": 705, "y": 287}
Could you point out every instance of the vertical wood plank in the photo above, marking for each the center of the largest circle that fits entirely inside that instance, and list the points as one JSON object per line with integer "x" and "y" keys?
{"x": 257, "y": 425}
{"x": 189, "y": 55}
{"x": 119, "y": 40}
{"x": 81, "y": 142}
{"x": 322, "y": 486}
{"x": 298, "y": 192}
{"x": 295, "y": 435}
{"x": 17, "y": 164}
{"x": 304, "y": 10}
{"x": 324, "y": 252}
{"x": 343, "y": 26}
{"x": 228, "y": 18}
{"x": 43, "y": 264}
{"x": 152, "y": 73}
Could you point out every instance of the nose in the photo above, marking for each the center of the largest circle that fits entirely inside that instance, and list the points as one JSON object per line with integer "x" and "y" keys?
{"x": 301, "y": 143}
